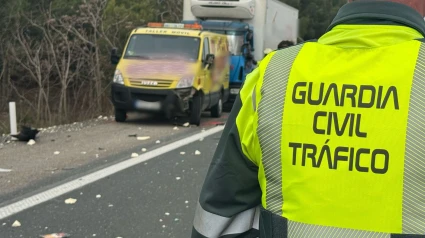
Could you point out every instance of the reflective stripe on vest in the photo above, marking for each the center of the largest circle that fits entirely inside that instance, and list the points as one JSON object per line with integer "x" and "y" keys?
{"x": 343, "y": 152}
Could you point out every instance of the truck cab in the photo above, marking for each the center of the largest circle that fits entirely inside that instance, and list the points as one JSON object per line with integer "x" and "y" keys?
{"x": 171, "y": 68}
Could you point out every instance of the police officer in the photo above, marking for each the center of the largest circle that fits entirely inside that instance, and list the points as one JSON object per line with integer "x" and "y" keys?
{"x": 327, "y": 138}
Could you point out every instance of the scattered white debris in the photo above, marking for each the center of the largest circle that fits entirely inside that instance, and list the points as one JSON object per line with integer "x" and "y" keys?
{"x": 16, "y": 224}
{"x": 81, "y": 193}
{"x": 134, "y": 155}
{"x": 197, "y": 152}
{"x": 56, "y": 152}
{"x": 94, "y": 234}
{"x": 110, "y": 205}
{"x": 83, "y": 152}
{"x": 158, "y": 172}
{"x": 70, "y": 201}
{"x": 4, "y": 224}
{"x": 163, "y": 226}
{"x": 105, "y": 118}
{"x": 176, "y": 219}
{"x": 201, "y": 139}
{"x": 178, "y": 178}
{"x": 143, "y": 137}
{"x": 176, "y": 128}
{"x": 187, "y": 206}
{"x": 98, "y": 196}
{"x": 144, "y": 149}
{"x": 158, "y": 141}
{"x": 100, "y": 117}
{"x": 160, "y": 220}
{"x": 182, "y": 153}
{"x": 186, "y": 202}
{"x": 5, "y": 170}
{"x": 97, "y": 155}
{"x": 167, "y": 214}
{"x": 31, "y": 142}
{"x": 186, "y": 124}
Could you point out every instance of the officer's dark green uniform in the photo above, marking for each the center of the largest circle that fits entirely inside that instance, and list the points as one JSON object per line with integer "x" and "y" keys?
{"x": 327, "y": 138}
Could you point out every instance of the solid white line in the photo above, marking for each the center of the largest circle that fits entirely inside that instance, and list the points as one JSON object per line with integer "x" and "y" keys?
{"x": 95, "y": 176}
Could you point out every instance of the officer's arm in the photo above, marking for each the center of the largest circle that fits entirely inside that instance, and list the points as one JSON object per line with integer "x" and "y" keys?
{"x": 230, "y": 198}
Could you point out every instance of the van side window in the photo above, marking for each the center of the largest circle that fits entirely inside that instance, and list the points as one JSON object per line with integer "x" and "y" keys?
{"x": 206, "y": 48}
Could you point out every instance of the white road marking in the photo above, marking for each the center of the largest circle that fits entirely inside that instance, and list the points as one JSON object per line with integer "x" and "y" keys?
{"x": 49, "y": 194}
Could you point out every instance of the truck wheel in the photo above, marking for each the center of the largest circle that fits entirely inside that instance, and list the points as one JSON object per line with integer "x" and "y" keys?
{"x": 218, "y": 108}
{"x": 120, "y": 115}
{"x": 196, "y": 110}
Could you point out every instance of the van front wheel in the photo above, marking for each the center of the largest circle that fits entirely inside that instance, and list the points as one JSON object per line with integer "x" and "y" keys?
{"x": 196, "y": 110}
{"x": 120, "y": 115}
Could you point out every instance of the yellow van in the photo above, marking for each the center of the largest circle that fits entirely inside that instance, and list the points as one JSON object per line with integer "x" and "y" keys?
{"x": 171, "y": 68}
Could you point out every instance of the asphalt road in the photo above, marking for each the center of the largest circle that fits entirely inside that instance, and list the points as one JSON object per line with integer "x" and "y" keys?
{"x": 156, "y": 199}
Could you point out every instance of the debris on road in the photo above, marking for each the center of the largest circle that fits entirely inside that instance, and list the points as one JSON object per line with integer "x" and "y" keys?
{"x": 178, "y": 178}
{"x": 160, "y": 220}
{"x": 26, "y": 134}
{"x": 197, "y": 152}
{"x": 176, "y": 128}
{"x": 70, "y": 201}
{"x": 182, "y": 153}
{"x": 110, "y": 205}
{"x": 143, "y": 138}
{"x": 134, "y": 155}
{"x": 158, "y": 141}
{"x": 16, "y": 224}
{"x": 83, "y": 152}
{"x": 31, "y": 142}
{"x": 98, "y": 196}
{"x": 167, "y": 214}
{"x": 56, "y": 152}
{"x": 186, "y": 202}
{"x": 187, "y": 124}
{"x": 4, "y": 224}
{"x": 144, "y": 149}
{"x": 56, "y": 235}
{"x": 5, "y": 170}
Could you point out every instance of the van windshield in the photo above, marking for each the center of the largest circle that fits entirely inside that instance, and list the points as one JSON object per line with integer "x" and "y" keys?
{"x": 145, "y": 46}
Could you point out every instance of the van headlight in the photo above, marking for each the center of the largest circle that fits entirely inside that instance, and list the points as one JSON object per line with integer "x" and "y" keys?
{"x": 118, "y": 77}
{"x": 185, "y": 82}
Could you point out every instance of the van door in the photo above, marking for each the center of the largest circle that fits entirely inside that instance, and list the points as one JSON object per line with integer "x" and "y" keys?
{"x": 206, "y": 74}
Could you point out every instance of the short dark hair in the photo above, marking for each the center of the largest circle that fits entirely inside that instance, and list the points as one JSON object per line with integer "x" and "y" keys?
{"x": 284, "y": 44}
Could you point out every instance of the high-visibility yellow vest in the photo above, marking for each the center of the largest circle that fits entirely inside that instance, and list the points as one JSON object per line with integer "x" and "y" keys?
{"x": 338, "y": 135}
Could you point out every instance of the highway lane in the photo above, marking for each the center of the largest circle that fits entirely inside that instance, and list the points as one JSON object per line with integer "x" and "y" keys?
{"x": 156, "y": 198}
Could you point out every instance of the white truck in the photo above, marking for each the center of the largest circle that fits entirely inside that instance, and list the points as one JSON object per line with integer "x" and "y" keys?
{"x": 272, "y": 21}
{"x": 251, "y": 27}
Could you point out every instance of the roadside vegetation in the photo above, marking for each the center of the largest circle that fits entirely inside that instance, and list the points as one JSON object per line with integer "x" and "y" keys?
{"x": 54, "y": 55}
